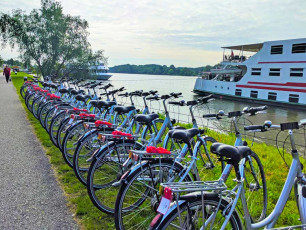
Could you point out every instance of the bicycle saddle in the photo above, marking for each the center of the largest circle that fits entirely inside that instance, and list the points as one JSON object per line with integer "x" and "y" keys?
{"x": 146, "y": 118}
{"x": 235, "y": 153}
{"x": 63, "y": 90}
{"x": 74, "y": 92}
{"x": 183, "y": 135}
{"x": 106, "y": 104}
{"x": 124, "y": 109}
{"x": 81, "y": 97}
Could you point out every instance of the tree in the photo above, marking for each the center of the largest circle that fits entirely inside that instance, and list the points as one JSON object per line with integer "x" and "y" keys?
{"x": 1, "y": 61}
{"x": 55, "y": 42}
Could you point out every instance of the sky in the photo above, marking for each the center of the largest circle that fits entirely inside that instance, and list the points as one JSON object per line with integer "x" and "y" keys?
{"x": 180, "y": 32}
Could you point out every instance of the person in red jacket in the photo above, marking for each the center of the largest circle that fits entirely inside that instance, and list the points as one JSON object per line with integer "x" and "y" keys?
{"x": 7, "y": 73}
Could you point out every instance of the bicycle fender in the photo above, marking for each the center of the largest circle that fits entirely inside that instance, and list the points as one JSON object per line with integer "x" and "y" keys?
{"x": 300, "y": 191}
{"x": 73, "y": 125}
{"x": 99, "y": 153}
{"x": 90, "y": 132}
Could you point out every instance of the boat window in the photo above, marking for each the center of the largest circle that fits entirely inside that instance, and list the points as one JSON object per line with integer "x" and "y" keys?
{"x": 256, "y": 71}
{"x": 299, "y": 48}
{"x": 254, "y": 94}
{"x": 294, "y": 98}
{"x": 272, "y": 96}
{"x": 238, "y": 92}
{"x": 296, "y": 72}
{"x": 274, "y": 72}
{"x": 277, "y": 49}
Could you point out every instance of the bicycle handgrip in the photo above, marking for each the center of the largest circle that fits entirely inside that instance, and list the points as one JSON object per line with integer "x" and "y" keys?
{"x": 145, "y": 94}
{"x": 153, "y": 98}
{"x": 254, "y": 127}
{"x": 192, "y": 103}
{"x": 210, "y": 115}
{"x": 165, "y": 97}
{"x": 174, "y": 103}
{"x": 153, "y": 92}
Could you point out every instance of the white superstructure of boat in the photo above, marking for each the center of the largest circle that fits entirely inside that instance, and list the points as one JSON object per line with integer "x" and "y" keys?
{"x": 271, "y": 72}
{"x": 99, "y": 71}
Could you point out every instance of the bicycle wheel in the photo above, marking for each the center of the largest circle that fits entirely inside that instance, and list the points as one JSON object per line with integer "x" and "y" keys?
{"x": 84, "y": 150}
{"x": 30, "y": 100}
{"x": 255, "y": 188}
{"x": 35, "y": 106}
{"x": 49, "y": 115}
{"x": 139, "y": 196}
{"x": 43, "y": 112}
{"x": 191, "y": 216}
{"x": 61, "y": 132}
{"x": 107, "y": 168}
{"x": 54, "y": 126}
{"x": 23, "y": 90}
{"x": 71, "y": 140}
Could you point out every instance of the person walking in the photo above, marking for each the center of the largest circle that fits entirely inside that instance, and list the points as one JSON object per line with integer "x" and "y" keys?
{"x": 7, "y": 73}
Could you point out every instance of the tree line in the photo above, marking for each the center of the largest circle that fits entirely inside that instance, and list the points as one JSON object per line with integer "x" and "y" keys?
{"x": 159, "y": 69}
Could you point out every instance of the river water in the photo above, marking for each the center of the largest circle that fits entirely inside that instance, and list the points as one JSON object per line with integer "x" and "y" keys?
{"x": 166, "y": 84}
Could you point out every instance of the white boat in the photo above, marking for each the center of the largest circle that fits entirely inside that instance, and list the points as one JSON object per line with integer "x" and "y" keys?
{"x": 271, "y": 72}
{"x": 99, "y": 71}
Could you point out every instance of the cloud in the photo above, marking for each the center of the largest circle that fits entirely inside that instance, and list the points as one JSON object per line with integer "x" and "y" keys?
{"x": 180, "y": 31}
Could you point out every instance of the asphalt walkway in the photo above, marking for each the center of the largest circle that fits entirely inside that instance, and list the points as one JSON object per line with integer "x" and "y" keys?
{"x": 30, "y": 197}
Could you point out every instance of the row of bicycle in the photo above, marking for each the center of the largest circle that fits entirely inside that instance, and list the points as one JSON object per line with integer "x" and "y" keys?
{"x": 115, "y": 151}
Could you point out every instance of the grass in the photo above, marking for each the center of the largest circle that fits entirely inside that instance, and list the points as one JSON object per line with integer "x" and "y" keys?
{"x": 89, "y": 217}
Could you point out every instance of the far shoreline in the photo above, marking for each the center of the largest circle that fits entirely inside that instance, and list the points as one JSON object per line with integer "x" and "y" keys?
{"x": 157, "y": 74}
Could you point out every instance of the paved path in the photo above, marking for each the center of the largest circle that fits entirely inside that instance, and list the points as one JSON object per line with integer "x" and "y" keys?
{"x": 30, "y": 197}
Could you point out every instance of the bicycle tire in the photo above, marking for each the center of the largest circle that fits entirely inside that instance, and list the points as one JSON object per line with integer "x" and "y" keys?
{"x": 260, "y": 199}
{"x": 70, "y": 140}
{"x": 80, "y": 165}
{"x": 54, "y": 126}
{"x": 100, "y": 189}
{"x": 61, "y": 132}
{"x": 143, "y": 208}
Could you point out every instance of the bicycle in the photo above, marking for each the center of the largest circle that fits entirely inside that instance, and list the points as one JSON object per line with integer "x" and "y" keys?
{"x": 229, "y": 198}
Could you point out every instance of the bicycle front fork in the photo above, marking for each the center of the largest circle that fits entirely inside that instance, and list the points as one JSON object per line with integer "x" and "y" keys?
{"x": 300, "y": 195}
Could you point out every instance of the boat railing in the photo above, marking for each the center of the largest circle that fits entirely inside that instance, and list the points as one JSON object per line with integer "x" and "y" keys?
{"x": 235, "y": 58}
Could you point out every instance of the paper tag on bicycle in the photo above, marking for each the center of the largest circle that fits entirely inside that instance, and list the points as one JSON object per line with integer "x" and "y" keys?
{"x": 70, "y": 121}
{"x": 44, "y": 100}
{"x": 164, "y": 205}
{"x": 165, "y": 201}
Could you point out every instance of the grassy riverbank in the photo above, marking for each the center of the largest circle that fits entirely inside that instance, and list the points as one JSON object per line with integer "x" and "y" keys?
{"x": 90, "y": 218}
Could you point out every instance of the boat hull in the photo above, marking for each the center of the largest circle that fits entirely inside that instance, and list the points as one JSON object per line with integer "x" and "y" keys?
{"x": 226, "y": 90}
{"x": 103, "y": 77}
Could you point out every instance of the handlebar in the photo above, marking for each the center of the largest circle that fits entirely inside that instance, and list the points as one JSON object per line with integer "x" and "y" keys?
{"x": 106, "y": 86}
{"x": 124, "y": 94}
{"x": 268, "y": 124}
{"x": 179, "y": 103}
{"x": 155, "y": 97}
{"x": 214, "y": 115}
{"x": 153, "y": 92}
{"x": 175, "y": 95}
